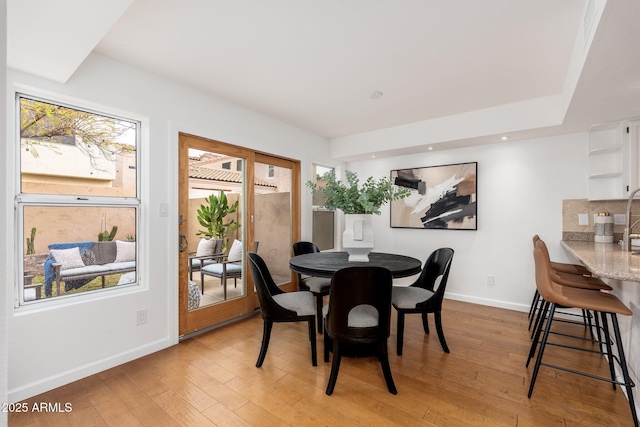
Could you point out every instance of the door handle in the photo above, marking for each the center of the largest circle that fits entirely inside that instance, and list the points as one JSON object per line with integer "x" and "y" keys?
{"x": 183, "y": 238}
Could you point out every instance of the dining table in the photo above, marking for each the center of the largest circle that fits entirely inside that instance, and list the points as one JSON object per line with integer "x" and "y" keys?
{"x": 324, "y": 264}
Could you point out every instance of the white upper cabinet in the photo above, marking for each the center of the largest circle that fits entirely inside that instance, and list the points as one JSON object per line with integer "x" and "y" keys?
{"x": 613, "y": 160}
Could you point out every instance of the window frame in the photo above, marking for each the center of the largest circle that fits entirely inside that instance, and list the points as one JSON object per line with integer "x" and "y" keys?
{"x": 22, "y": 200}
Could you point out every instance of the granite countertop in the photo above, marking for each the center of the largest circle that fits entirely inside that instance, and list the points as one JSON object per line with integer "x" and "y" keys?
{"x": 606, "y": 260}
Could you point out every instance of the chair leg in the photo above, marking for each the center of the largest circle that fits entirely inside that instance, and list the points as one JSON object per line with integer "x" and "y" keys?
{"x": 326, "y": 344}
{"x": 443, "y": 343}
{"x": 312, "y": 338}
{"x": 541, "y": 351}
{"x": 319, "y": 312}
{"x": 598, "y": 334}
{"x": 335, "y": 367}
{"x": 539, "y": 319}
{"x": 586, "y": 314}
{"x": 534, "y": 304}
{"x": 266, "y": 335}
{"x": 386, "y": 368}
{"x": 607, "y": 338}
{"x": 542, "y": 313}
{"x": 425, "y": 322}
{"x": 625, "y": 370}
{"x": 400, "y": 333}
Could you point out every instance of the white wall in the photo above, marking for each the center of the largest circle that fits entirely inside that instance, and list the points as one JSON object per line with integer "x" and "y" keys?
{"x": 520, "y": 190}
{"x": 54, "y": 344}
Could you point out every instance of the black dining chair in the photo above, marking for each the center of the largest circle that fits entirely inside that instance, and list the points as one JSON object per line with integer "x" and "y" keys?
{"x": 359, "y": 314}
{"x": 318, "y": 286}
{"x": 423, "y": 297}
{"x": 277, "y": 305}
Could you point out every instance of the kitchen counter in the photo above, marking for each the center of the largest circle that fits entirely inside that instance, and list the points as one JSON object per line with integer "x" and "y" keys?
{"x": 606, "y": 260}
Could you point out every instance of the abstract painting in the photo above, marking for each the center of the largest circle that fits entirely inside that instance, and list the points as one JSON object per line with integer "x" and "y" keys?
{"x": 442, "y": 197}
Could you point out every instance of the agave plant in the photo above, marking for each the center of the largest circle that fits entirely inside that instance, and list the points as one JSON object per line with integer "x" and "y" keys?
{"x": 212, "y": 215}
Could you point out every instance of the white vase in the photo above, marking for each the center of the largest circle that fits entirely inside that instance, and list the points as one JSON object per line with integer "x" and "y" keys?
{"x": 357, "y": 238}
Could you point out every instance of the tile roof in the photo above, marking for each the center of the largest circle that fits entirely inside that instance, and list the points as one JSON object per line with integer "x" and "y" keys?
{"x": 223, "y": 175}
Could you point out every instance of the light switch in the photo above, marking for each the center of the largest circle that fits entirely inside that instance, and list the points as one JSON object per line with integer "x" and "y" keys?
{"x": 619, "y": 219}
{"x": 583, "y": 219}
{"x": 164, "y": 209}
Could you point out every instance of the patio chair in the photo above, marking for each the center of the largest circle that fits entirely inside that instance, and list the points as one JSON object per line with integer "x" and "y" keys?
{"x": 227, "y": 269}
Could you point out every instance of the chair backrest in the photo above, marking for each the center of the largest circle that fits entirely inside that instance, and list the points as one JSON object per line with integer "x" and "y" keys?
{"x": 301, "y": 248}
{"x": 266, "y": 288}
{"x": 535, "y": 240}
{"x": 542, "y": 246}
{"x": 360, "y": 305}
{"x": 544, "y": 282}
{"x": 438, "y": 265}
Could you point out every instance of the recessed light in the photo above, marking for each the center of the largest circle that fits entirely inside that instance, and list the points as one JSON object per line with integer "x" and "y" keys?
{"x": 430, "y": 148}
{"x": 375, "y": 95}
{"x": 504, "y": 138}
{"x": 373, "y": 156}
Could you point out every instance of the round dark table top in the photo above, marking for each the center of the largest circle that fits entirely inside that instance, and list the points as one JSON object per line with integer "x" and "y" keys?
{"x": 324, "y": 264}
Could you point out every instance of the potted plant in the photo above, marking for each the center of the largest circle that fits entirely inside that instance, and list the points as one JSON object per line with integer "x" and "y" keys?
{"x": 212, "y": 215}
{"x": 358, "y": 204}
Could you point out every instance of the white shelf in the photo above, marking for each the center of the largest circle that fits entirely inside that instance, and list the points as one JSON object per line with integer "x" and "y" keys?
{"x": 609, "y": 150}
{"x": 605, "y": 175}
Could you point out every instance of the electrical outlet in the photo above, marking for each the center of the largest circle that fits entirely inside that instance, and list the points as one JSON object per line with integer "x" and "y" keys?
{"x": 619, "y": 219}
{"x": 141, "y": 317}
{"x": 583, "y": 219}
{"x": 490, "y": 280}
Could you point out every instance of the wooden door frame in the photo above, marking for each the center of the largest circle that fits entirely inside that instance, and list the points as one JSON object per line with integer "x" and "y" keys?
{"x": 192, "y": 321}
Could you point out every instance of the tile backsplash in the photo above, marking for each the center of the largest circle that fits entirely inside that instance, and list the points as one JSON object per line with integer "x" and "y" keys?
{"x": 571, "y": 208}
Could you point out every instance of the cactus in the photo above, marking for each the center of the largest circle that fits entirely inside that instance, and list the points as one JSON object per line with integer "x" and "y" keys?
{"x": 106, "y": 236}
{"x": 31, "y": 242}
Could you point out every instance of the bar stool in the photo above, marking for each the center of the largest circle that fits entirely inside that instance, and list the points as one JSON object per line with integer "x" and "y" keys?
{"x": 572, "y": 275}
{"x": 601, "y": 303}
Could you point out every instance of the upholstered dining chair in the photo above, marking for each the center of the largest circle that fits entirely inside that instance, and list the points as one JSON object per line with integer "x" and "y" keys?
{"x": 423, "y": 296}
{"x": 359, "y": 314}
{"x": 318, "y": 286}
{"x": 277, "y": 305}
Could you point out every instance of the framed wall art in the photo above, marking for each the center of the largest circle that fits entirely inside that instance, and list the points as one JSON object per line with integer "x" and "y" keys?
{"x": 442, "y": 197}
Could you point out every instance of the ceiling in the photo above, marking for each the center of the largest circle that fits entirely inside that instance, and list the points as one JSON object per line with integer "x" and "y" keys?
{"x": 315, "y": 64}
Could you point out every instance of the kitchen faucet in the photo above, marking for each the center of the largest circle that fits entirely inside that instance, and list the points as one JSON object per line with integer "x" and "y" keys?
{"x": 628, "y": 236}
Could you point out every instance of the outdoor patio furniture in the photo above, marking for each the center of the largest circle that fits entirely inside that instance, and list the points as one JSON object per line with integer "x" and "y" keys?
{"x": 78, "y": 263}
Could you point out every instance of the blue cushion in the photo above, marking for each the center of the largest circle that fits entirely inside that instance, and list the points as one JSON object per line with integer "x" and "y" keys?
{"x": 196, "y": 263}
{"x": 216, "y": 269}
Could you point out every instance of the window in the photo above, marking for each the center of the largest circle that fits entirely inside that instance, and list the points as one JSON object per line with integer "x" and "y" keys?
{"x": 322, "y": 219}
{"x": 271, "y": 171}
{"x": 239, "y": 165}
{"x": 78, "y": 200}
{"x": 226, "y": 165}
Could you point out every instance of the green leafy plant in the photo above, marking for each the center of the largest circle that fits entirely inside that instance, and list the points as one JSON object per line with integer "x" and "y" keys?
{"x": 211, "y": 216}
{"x": 352, "y": 199}
{"x": 31, "y": 250}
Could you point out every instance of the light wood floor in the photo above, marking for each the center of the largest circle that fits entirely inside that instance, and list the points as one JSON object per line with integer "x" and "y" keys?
{"x": 212, "y": 380}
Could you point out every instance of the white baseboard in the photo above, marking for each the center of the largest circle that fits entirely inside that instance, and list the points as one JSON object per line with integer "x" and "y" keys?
{"x": 45, "y": 384}
{"x": 489, "y": 302}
